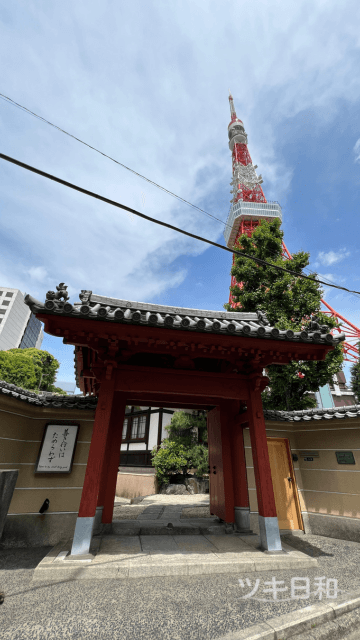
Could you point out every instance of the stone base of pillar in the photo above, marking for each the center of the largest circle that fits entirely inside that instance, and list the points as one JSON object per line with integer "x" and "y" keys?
{"x": 82, "y": 536}
{"x": 269, "y": 534}
{"x": 242, "y": 520}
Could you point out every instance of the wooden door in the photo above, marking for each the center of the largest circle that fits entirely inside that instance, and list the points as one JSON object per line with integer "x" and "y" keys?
{"x": 220, "y": 474}
{"x": 216, "y": 476}
{"x": 283, "y": 479}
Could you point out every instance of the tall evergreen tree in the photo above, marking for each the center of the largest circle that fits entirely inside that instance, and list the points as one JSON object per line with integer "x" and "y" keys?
{"x": 355, "y": 378}
{"x": 31, "y": 369}
{"x": 289, "y": 302}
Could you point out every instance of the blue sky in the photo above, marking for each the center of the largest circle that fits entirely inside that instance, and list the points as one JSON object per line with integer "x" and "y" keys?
{"x": 147, "y": 83}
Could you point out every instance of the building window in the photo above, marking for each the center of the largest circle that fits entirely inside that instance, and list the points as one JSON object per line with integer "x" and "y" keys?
{"x": 9, "y": 295}
{"x": 138, "y": 427}
{"x": 2, "y": 311}
{"x": 31, "y": 333}
{"x": 1, "y": 320}
{"x": 125, "y": 428}
{"x": 1, "y": 292}
{"x": 5, "y": 303}
{"x": 135, "y": 426}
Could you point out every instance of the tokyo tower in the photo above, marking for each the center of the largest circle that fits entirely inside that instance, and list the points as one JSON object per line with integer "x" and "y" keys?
{"x": 249, "y": 206}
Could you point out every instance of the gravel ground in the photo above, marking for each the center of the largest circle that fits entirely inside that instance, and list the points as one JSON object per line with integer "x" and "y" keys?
{"x": 127, "y": 512}
{"x": 122, "y": 500}
{"x": 123, "y": 510}
{"x": 197, "y": 498}
{"x": 195, "y": 512}
{"x": 168, "y": 608}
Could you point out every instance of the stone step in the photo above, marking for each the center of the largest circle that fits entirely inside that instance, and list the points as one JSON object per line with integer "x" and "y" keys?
{"x": 136, "y": 557}
{"x": 156, "y": 527}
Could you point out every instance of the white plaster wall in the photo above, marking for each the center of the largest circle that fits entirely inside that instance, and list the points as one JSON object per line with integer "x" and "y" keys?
{"x": 153, "y": 430}
{"x": 137, "y": 446}
{"x": 165, "y": 423}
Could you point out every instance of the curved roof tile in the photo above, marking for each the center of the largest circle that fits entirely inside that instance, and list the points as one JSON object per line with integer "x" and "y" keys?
{"x": 48, "y": 399}
{"x": 90, "y": 402}
{"x": 116, "y": 310}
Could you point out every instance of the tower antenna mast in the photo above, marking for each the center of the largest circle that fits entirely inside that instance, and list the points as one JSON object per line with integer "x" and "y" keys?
{"x": 249, "y": 206}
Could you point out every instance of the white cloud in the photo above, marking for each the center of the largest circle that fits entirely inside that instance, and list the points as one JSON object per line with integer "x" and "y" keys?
{"x": 335, "y": 279}
{"x": 328, "y": 258}
{"x": 156, "y": 99}
{"x": 37, "y": 273}
{"x": 357, "y": 151}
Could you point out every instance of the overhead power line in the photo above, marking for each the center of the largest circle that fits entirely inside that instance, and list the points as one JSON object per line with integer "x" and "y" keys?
{"x": 170, "y": 193}
{"x": 113, "y": 203}
{"x": 36, "y": 115}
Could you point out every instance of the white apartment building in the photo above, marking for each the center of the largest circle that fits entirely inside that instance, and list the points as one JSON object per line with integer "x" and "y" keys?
{"x": 19, "y": 328}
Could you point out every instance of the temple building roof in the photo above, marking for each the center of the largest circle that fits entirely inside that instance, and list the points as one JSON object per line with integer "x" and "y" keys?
{"x": 313, "y": 414}
{"x": 116, "y": 310}
{"x": 52, "y": 400}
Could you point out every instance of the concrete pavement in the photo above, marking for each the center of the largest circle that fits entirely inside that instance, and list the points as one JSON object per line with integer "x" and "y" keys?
{"x": 139, "y": 556}
{"x": 198, "y": 607}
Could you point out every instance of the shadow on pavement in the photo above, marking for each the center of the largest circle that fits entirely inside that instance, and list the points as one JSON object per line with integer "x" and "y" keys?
{"x": 305, "y": 547}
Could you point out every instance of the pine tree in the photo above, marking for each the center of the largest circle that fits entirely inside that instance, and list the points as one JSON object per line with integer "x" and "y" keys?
{"x": 183, "y": 449}
{"x": 289, "y": 302}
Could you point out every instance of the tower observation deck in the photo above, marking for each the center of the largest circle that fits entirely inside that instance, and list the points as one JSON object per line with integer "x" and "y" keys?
{"x": 249, "y": 206}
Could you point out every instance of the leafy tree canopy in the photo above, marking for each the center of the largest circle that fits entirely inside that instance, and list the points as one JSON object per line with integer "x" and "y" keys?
{"x": 355, "y": 378}
{"x": 183, "y": 449}
{"x": 31, "y": 369}
{"x": 289, "y": 302}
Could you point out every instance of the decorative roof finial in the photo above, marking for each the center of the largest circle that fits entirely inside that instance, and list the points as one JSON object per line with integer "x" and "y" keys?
{"x": 60, "y": 293}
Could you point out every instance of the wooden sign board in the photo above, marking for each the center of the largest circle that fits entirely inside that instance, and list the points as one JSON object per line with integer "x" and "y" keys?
{"x": 57, "y": 449}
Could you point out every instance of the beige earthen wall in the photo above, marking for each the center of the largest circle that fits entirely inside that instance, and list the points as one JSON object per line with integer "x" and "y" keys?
{"x": 329, "y": 493}
{"x": 132, "y": 485}
{"x": 328, "y": 487}
{"x": 21, "y": 430}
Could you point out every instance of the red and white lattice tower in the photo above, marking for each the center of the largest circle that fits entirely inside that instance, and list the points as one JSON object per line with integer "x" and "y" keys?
{"x": 249, "y": 206}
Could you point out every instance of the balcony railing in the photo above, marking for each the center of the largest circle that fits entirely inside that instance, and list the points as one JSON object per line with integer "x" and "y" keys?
{"x": 248, "y": 211}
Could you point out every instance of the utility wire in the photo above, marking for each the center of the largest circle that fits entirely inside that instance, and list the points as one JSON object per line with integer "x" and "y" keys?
{"x": 70, "y": 185}
{"x": 20, "y": 106}
{"x": 35, "y": 115}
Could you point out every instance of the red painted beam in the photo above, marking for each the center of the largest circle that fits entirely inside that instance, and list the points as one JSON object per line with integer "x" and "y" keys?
{"x": 196, "y": 384}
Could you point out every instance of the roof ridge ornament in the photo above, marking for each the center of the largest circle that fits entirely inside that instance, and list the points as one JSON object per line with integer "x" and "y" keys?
{"x": 60, "y": 293}
{"x": 84, "y": 296}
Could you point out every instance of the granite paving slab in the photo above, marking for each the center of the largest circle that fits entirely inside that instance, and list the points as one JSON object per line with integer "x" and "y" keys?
{"x": 160, "y": 555}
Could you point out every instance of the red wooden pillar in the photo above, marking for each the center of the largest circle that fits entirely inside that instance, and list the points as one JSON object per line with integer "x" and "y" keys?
{"x": 113, "y": 444}
{"x": 241, "y": 493}
{"x": 117, "y": 421}
{"x": 268, "y": 522}
{"x": 104, "y": 472}
{"x": 89, "y": 497}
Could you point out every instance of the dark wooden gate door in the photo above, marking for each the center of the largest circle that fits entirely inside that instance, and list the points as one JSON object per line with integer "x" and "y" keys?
{"x": 220, "y": 474}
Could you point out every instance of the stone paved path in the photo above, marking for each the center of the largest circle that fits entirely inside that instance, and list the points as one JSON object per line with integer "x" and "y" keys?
{"x": 163, "y": 508}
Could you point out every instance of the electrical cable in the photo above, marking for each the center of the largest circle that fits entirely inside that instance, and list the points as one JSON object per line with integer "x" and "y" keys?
{"x": 20, "y": 106}
{"x": 97, "y": 196}
{"x": 35, "y": 115}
